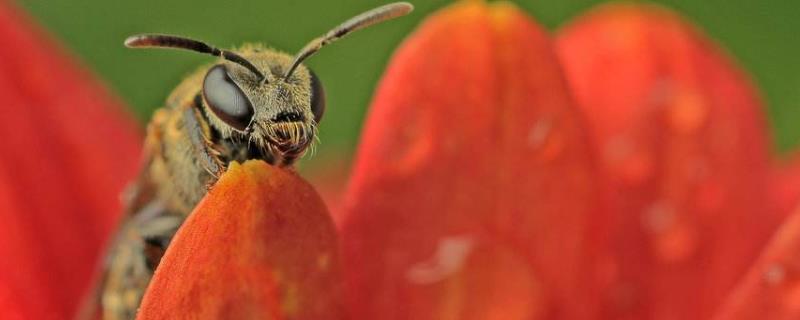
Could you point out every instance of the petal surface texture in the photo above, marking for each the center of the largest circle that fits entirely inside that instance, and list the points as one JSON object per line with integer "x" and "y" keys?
{"x": 681, "y": 140}
{"x": 260, "y": 245}
{"x": 770, "y": 290}
{"x": 68, "y": 151}
{"x": 473, "y": 182}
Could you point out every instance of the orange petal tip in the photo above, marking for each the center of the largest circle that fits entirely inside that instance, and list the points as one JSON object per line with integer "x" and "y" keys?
{"x": 260, "y": 245}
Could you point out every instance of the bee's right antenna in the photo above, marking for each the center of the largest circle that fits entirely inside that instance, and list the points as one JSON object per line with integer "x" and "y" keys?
{"x": 366, "y": 19}
{"x": 170, "y": 41}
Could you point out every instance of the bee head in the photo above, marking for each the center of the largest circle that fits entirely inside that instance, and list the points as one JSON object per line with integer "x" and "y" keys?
{"x": 271, "y": 110}
{"x": 265, "y": 96}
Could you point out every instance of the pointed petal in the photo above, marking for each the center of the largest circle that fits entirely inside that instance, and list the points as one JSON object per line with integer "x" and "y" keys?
{"x": 681, "y": 138}
{"x": 260, "y": 245}
{"x": 68, "y": 151}
{"x": 473, "y": 179}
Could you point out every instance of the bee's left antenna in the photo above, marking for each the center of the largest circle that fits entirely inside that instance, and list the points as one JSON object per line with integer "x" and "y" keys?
{"x": 177, "y": 42}
{"x": 366, "y": 19}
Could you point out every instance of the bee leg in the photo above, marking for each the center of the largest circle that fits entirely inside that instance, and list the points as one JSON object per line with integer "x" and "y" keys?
{"x": 156, "y": 234}
{"x": 135, "y": 256}
{"x": 209, "y": 158}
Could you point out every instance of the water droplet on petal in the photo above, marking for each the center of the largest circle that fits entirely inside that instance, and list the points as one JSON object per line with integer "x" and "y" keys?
{"x": 782, "y": 279}
{"x": 413, "y": 147}
{"x": 672, "y": 241}
{"x": 450, "y": 255}
{"x": 775, "y": 275}
{"x": 467, "y": 278}
{"x": 676, "y": 244}
{"x": 661, "y": 92}
{"x": 538, "y": 134}
{"x": 324, "y": 261}
{"x": 658, "y": 218}
{"x": 632, "y": 166}
{"x": 544, "y": 138}
{"x": 687, "y": 113}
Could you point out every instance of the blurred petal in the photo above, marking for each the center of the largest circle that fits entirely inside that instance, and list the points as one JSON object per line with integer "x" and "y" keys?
{"x": 681, "y": 138}
{"x": 67, "y": 153}
{"x": 329, "y": 176}
{"x": 260, "y": 245}
{"x": 785, "y": 186}
{"x": 473, "y": 179}
{"x": 770, "y": 290}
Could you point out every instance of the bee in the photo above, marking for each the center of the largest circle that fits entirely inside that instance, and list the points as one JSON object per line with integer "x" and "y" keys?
{"x": 254, "y": 103}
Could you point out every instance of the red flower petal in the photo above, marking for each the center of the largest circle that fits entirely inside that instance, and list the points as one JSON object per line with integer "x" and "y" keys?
{"x": 770, "y": 290}
{"x": 67, "y": 153}
{"x": 681, "y": 137}
{"x": 473, "y": 180}
{"x": 260, "y": 245}
{"x": 330, "y": 181}
{"x": 785, "y": 186}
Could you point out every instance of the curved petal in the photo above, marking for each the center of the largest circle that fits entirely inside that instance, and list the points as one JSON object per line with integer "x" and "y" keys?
{"x": 681, "y": 138}
{"x": 67, "y": 153}
{"x": 473, "y": 182}
{"x": 260, "y": 245}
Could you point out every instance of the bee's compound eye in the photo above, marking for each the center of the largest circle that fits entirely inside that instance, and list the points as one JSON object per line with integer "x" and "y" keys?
{"x": 226, "y": 99}
{"x": 317, "y": 97}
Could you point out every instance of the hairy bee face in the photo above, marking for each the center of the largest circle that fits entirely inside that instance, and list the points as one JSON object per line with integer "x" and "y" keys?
{"x": 261, "y": 96}
{"x": 275, "y": 114}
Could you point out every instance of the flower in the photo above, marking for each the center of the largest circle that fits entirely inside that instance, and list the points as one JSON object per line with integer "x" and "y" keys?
{"x": 618, "y": 169}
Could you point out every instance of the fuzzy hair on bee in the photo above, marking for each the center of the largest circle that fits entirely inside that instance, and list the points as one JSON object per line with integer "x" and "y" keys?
{"x": 255, "y": 102}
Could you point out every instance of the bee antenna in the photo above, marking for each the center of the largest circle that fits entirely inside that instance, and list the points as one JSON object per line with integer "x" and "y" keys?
{"x": 366, "y": 19}
{"x": 177, "y": 42}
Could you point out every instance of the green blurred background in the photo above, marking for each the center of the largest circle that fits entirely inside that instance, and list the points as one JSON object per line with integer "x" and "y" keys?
{"x": 761, "y": 35}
